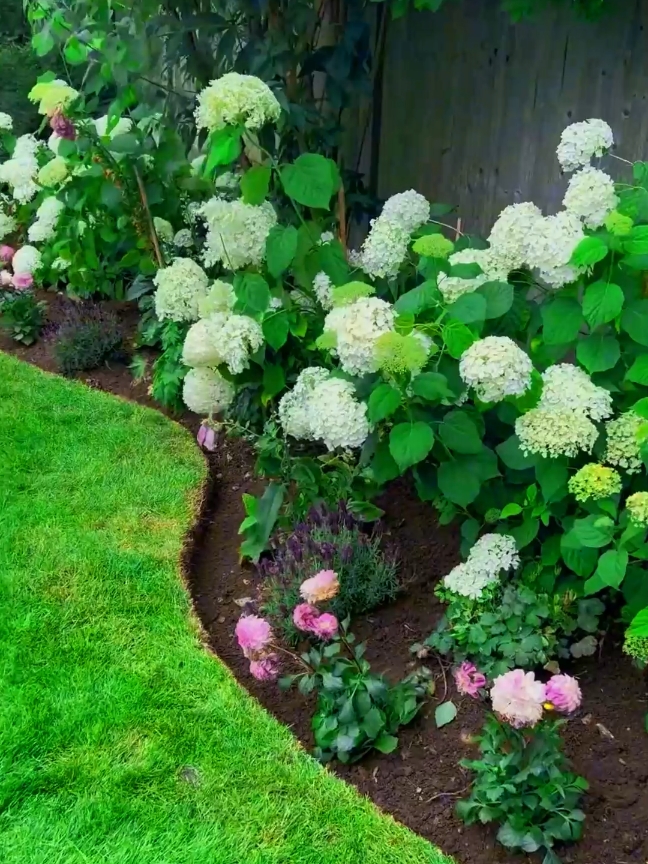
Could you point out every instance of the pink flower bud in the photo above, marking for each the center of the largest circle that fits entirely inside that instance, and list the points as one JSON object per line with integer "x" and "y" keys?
{"x": 564, "y": 693}
{"x": 6, "y": 253}
{"x": 206, "y": 437}
{"x": 22, "y": 281}
{"x": 6, "y": 279}
{"x": 468, "y": 680}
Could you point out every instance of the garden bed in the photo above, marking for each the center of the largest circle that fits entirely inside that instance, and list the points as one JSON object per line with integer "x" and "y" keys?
{"x": 421, "y": 781}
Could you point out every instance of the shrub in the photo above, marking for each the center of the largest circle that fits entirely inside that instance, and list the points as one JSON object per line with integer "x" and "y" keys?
{"x": 327, "y": 540}
{"x": 87, "y": 338}
{"x": 22, "y": 314}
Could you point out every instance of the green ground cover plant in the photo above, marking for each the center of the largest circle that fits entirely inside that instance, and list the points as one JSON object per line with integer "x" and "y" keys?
{"x": 121, "y": 739}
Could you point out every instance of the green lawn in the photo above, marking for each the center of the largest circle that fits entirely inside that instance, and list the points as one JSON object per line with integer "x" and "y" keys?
{"x": 121, "y": 740}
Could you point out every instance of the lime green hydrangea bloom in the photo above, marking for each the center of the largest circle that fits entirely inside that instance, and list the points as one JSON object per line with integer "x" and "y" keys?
{"x": 344, "y": 295}
{"x": 53, "y": 173}
{"x": 163, "y": 229}
{"x": 433, "y": 246}
{"x": 594, "y": 481}
{"x": 53, "y": 96}
{"x": 637, "y": 647}
{"x": 637, "y": 505}
{"x": 397, "y": 354}
{"x": 618, "y": 224}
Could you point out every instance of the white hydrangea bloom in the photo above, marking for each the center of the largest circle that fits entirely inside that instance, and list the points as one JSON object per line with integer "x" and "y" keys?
{"x": 550, "y": 247}
{"x": 26, "y": 260}
{"x": 327, "y": 237}
{"x": 356, "y": 327}
{"x": 237, "y": 232}
{"x": 226, "y": 180}
{"x": 622, "y": 444}
{"x": 491, "y": 554}
{"x": 354, "y": 258}
{"x": 19, "y": 171}
{"x": 6, "y": 122}
{"x": 580, "y": 141}
{"x": 54, "y": 142}
{"x": 569, "y": 387}
{"x": 323, "y": 288}
{"x": 323, "y": 408}
{"x": 183, "y": 238}
{"x": 26, "y": 145}
{"x": 452, "y": 287}
{"x": 7, "y": 225}
{"x": 236, "y": 339}
{"x": 205, "y": 391}
{"x": 163, "y": 229}
{"x": 554, "y": 432}
{"x": 495, "y": 367}
{"x": 123, "y": 125}
{"x": 234, "y": 99}
{"x": 180, "y": 287}
{"x": 47, "y": 217}
{"x": 199, "y": 347}
{"x": 221, "y": 298}
{"x": 386, "y": 246}
{"x": 591, "y": 196}
{"x": 510, "y": 234}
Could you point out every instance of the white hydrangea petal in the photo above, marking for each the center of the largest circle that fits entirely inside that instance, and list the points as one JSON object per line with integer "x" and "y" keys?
{"x": 495, "y": 367}
{"x": 356, "y": 327}
{"x": 180, "y": 287}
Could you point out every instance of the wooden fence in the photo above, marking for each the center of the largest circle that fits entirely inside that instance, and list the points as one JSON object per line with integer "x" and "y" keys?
{"x": 473, "y": 105}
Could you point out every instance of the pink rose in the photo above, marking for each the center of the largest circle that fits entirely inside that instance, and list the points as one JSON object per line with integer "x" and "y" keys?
{"x": 322, "y": 586}
{"x": 206, "y": 437}
{"x": 253, "y": 634}
{"x": 21, "y": 281}
{"x": 63, "y": 127}
{"x": 468, "y": 680}
{"x": 564, "y": 693}
{"x": 7, "y": 253}
{"x": 326, "y": 626}
{"x": 305, "y": 616}
{"x": 266, "y": 669}
{"x": 518, "y": 698}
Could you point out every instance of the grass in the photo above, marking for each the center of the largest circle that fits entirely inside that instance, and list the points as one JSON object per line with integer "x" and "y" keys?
{"x": 121, "y": 740}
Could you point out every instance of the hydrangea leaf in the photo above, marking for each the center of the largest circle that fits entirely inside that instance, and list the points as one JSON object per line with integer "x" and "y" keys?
{"x": 513, "y": 457}
{"x": 634, "y": 321}
{"x": 498, "y": 296}
{"x": 458, "y": 482}
{"x": 638, "y": 372}
{"x": 602, "y": 302}
{"x": 311, "y": 180}
{"x": 255, "y": 184}
{"x": 611, "y": 567}
{"x": 281, "y": 248}
{"x": 410, "y": 443}
{"x": 562, "y": 320}
{"x": 383, "y": 402}
{"x": 598, "y": 353}
{"x": 594, "y": 531}
{"x": 589, "y": 251}
{"x": 459, "y": 433}
{"x": 639, "y": 625}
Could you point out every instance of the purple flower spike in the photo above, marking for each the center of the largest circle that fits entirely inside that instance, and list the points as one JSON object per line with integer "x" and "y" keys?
{"x": 295, "y": 548}
{"x": 327, "y": 551}
{"x": 347, "y": 554}
{"x": 206, "y": 437}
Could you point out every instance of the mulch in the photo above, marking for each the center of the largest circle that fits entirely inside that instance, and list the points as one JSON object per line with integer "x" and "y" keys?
{"x": 420, "y": 782}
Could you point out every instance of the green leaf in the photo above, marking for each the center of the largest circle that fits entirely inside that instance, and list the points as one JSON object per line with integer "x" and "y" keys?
{"x": 635, "y": 321}
{"x": 417, "y": 300}
{"x": 578, "y": 558}
{"x": 637, "y": 242}
{"x": 459, "y": 433}
{"x": 594, "y": 531}
{"x": 432, "y": 386}
{"x": 612, "y": 567}
{"x": 386, "y": 743}
{"x": 42, "y": 42}
{"x": 383, "y": 467}
{"x": 255, "y": 184}
{"x": 224, "y": 148}
{"x": 445, "y": 713}
{"x": 465, "y": 271}
{"x": 252, "y": 293}
{"x": 639, "y": 625}
{"x": 638, "y": 372}
{"x": 510, "y": 510}
{"x": 509, "y": 837}
{"x": 373, "y": 722}
{"x": 552, "y": 475}
{"x": 276, "y": 327}
{"x": 281, "y": 248}
{"x": 597, "y": 352}
{"x": 458, "y": 483}
{"x": 457, "y": 338}
{"x": 498, "y": 296}
{"x": 469, "y": 308}
{"x": 266, "y": 513}
{"x": 641, "y": 408}
{"x": 310, "y": 180}
{"x": 274, "y": 382}
{"x": 126, "y": 143}
{"x": 525, "y": 533}
{"x": 410, "y": 443}
{"x": 562, "y": 320}
{"x": 75, "y": 52}
{"x": 383, "y": 402}
{"x": 589, "y": 251}
{"x": 511, "y": 455}
{"x": 602, "y": 302}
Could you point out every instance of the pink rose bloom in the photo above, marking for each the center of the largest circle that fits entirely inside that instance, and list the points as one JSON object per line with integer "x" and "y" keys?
{"x": 517, "y": 697}
{"x": 468, "y": 680}
{"x": 7, "y": 253}
{"x": 322, "y": 586}
{"x": 305, "y": 616}
{"x": 326, "y": 626}
{"x": 564, "y": 693}
{"x": 253, "y": 634}
{"x": 22, "y": 281}
{"x": 266, "y": 669}
{"x": 63, "y": 127}
{"x": 206, "y": 437}
{"x": 6, "y": 279}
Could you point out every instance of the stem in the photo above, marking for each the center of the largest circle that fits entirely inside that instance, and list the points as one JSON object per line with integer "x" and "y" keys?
{"x": 149, "y": 218}
{"x": 347, "y": 645}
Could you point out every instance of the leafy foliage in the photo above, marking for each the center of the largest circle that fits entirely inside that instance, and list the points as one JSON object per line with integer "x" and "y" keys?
{"x": 22, "y": 314}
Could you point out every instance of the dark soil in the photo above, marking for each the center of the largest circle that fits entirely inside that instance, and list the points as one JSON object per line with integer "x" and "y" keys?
{"x": 420, "y": 782}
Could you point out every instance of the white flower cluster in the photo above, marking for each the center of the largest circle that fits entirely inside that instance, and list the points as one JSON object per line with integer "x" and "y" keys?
{"x": 581, "y": 141}
{"x": 222, "y": 338}
{"x": 491, "y": 554}
{"x": 221, "y": 298}
{"x": 554, "y": 432}
{"x": 452, "y": 287}
{"x": 47, "y": 217}
{"x": 6, "y": 122}
{"x": 26, "y": 260}
{"x": 235, "y": 99}
{"x": 323, "y": 408}
{"x": 163, "y": 229}
{"x": 385, "y": 248}
{"x": 123, "y": 126}
{"x": 180, "y": 287}
{"x": 236, "y": 232}
{"x": 568, "y": 387}
{"x": 205, "y": 391}
{"x": 19, "y": 171}
{"x": 323, "y": 288}
{"x": 356, "y": 328}
{"x": 509, "y": 237}
{"x": 551, "y": 245}
{"x": 7, "y": 225}
{"x": 495, "y": 367}
{"x": 183, "y": 238}
{"x": 591, "y": 196}
{"x": 622, "y": 442}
